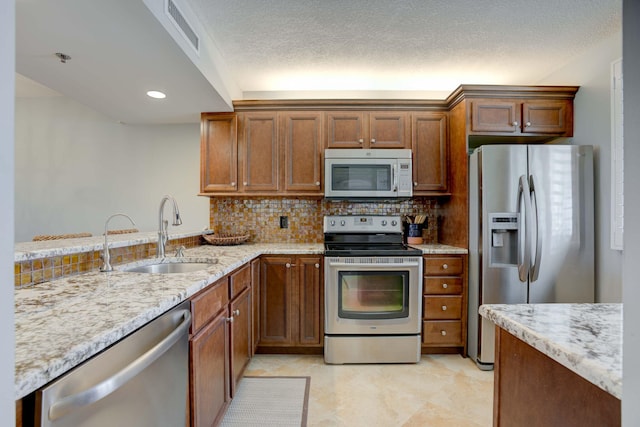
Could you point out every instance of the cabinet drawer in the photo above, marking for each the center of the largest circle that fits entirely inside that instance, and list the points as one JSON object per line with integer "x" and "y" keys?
{"x": 443, "y": 285}
{"x": 239, "y": 281}
{"x": 209, "y": 302}
{"x": 437, "y": 307}
{"x": 449, "y": 265}
{"x": 447, "y": 332}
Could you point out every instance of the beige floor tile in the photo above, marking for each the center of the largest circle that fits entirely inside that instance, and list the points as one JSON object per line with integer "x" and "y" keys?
{"x": 440, "y": 390}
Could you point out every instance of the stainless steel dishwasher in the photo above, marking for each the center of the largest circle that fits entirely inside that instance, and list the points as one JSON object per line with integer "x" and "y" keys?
{"x": 139, "y": 381}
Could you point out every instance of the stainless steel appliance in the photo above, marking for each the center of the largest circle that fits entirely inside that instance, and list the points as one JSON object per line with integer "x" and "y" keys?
{"x": 367, "y": 173}
{"x": 139, "y": 381}
{"x": 373, "y": 291}
{"x": 531, "y": 231}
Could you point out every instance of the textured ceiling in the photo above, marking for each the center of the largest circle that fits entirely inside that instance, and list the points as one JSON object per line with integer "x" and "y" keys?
{"x": 295, "y": 49}
{"x": 272, "y": 45}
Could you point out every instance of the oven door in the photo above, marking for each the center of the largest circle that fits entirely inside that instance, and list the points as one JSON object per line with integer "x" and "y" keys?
{"x": 373, "y": 295}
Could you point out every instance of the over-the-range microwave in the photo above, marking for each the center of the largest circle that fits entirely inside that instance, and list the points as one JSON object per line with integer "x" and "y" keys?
{"x": 367, "y": 173}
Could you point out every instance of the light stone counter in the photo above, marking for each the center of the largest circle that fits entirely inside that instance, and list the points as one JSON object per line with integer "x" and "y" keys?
{"x": 585, "y": 338}
{"x": 62, "y": 323}
{"x": 437, "y": 249}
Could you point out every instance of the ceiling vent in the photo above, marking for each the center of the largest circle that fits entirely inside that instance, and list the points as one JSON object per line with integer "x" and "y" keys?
{"x": 179, "y": 20}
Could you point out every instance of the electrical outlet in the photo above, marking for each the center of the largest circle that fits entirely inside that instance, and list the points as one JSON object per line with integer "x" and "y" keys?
{"x": 284, "y": 222}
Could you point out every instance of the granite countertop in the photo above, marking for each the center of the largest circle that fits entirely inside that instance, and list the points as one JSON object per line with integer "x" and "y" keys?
{"x": 585, "y": 338}
{"x": 60, "y": 324}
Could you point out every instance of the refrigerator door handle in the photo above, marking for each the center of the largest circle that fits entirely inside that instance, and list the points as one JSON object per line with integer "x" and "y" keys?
{"x": 535, "y": 266}
{"x": 524, "y": 253}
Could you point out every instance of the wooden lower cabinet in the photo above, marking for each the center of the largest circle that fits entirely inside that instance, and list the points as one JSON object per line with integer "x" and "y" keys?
{"x": 444, "y": 309}
{"x": 531, "y": 389}
{"x": 291, "y": 303}
{"x": 220, "y": 346}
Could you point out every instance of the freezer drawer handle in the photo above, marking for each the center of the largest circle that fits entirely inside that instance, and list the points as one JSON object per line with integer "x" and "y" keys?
{"x": 111, "y": 384}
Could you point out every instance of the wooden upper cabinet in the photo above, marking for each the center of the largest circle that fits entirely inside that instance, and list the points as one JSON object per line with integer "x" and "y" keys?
{"x": 430, "y": 154}
{"x": 302, "y": 148}
{"x": 526, "y": 117}
{"x": 358, "y": 129}
{"x": 389, "y": 130}
{"x": 218, "y": 153}
{"x": 259, "y": 152}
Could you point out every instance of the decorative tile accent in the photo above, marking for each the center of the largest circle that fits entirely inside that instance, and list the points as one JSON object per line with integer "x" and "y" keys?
{"x": 260, "y": 216}
{"x": 29, "y": 273}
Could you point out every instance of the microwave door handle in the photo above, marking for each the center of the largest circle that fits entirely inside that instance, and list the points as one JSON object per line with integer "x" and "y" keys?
{"x": 394, "y": 171}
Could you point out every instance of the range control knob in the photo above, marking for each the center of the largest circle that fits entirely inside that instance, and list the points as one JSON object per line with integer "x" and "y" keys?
{"x": 343, "y": 223}
{"x": 332, "y": 222}
{"x": 394, "y": 222}
{"x": 384, "y": 222}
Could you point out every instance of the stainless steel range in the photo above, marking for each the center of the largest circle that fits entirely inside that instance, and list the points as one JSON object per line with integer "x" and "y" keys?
{"x": 373, "y": 291}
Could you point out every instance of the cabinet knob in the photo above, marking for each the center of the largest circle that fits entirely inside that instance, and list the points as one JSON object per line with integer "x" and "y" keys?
{"x": 236, "y": 312}
{"x": 244, "y": 183}
{"x": 527, "y": 124}
{"x": 318, "y": 183}
{"x": 233, "y": 184}
{"x": 317, "y": 265}
{"x": 415, "y": 183}
{"x": 230, "y": 319}
{"x": 515, "y": 123}
{"x": 445, "y": 286}
{"x": 361, "y": 140}
{"x": 445, "y": 266}
{"x": 443, "y": 333}
{"x": 444, "y": 308}
{"x": 373, "y": 140}
{"x": 289, "y": 265}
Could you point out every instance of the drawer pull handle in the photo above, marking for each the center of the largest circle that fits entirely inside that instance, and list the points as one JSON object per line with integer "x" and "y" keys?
{"x": 443, "y": 333}
{"x": 445, "y": 286}
{"x": 445, "y": 266}
{"x": 444, "y": 308}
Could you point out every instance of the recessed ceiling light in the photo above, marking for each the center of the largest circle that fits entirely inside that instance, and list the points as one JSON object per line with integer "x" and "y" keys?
{"x": 156, "y": 94}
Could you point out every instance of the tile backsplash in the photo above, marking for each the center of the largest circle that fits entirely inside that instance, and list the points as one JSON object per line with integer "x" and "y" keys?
{"x": 260, "y": 216}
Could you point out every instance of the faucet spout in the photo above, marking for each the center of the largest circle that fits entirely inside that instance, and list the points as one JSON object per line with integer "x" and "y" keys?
{"x": 163, "y": 225}
{"x": 106, "y": 258}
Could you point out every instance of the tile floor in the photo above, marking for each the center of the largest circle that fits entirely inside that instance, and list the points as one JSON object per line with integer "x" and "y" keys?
{"x": 440, "y": 390}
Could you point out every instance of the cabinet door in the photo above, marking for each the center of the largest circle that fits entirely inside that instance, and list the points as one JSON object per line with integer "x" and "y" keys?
{"x": 552, "y": 117}
{"x": 240, "y": 312}
{"x": 276, "y": 291}
{"x": 259, "y": 152}
{"x": 310, "y": 300}
{"x": 255, "y": 302}
{"x": 302, "y": 146}
{"x": 495, "y": 116}
{"x": 209, "y": 372}
{"x": 218, "y": 153}
{"x": 345, "y": 129}
{"x": 389, "y": 130}
{"x": 429, "y": 142}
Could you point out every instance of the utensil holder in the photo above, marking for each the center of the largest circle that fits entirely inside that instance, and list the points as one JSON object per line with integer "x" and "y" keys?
{"x": 414, "y": 234}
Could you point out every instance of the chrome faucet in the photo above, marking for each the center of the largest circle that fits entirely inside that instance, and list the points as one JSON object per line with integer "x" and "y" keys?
{"x": 164, "y": 225}
{"x": 106, "y": 258}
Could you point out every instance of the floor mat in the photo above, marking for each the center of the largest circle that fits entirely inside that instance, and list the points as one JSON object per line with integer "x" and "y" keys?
{"x": 269, "y": 401}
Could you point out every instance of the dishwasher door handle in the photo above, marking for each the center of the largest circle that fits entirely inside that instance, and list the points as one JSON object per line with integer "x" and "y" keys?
{"x": 111, "y": 384}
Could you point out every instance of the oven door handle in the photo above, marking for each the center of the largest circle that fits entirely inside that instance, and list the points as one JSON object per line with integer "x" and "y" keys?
{"x": 376, "y": 266}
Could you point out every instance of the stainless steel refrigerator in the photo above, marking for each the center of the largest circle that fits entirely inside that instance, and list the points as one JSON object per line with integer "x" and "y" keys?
{"x": 531, "y": 231}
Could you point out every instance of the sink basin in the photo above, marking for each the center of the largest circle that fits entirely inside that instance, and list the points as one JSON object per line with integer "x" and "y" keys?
{"x": 169, "y": 265}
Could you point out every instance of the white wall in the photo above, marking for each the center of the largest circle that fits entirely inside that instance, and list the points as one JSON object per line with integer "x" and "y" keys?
{"x": 592, "y": 126}
{"x": 631, "y": 290}
{"x": 7, "y": 74}
{"x": 74, "y": 167}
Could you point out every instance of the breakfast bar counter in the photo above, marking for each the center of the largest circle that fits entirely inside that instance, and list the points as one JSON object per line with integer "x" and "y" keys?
{"x": 557, "y": 364}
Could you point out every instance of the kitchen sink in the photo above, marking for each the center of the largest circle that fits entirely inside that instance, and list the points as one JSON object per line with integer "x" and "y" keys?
{"x": 169, "y": 265}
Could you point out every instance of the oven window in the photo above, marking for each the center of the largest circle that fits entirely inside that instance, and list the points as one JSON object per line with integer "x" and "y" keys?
{"x": 361, "y": 177}
{"x": 373, "y": 294}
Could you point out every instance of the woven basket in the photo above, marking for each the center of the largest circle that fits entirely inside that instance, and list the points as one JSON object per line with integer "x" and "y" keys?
{"x": 225, "y": 239}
